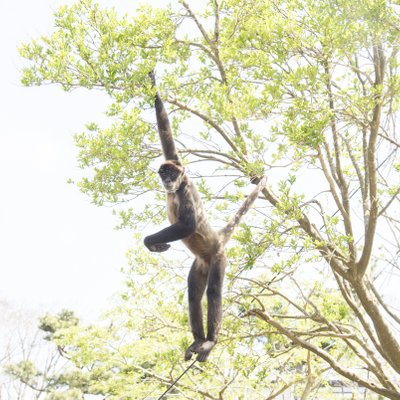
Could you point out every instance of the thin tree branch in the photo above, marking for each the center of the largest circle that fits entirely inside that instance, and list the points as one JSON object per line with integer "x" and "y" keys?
{"x": 389, "y": 203}
{"x": 206, "y": 119}
{"x": 384, "y": 305}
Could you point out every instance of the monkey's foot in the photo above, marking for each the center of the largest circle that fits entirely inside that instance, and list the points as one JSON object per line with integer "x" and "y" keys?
{"x": 193, "y": 348}
{"x": 205, "y": 350}
{"x": 202, "y": 348}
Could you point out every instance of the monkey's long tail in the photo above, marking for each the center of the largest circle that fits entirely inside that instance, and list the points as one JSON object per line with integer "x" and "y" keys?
{"x": 228, "y": 230}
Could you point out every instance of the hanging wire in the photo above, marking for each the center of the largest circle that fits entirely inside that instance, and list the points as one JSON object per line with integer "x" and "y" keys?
{"x": 177, "y": 380}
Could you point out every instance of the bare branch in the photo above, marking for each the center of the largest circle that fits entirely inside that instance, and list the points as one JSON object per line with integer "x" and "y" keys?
{"x": 391, "y": 394}
{"x": 343, "y": 185}
{"x": 389, "y": 203}
{"x": 389, "y": 139}
{"x": 356, "y": 167}
{"x": 345, "y": 215}
{"x": 216, "y": 24}
{"x": 206, "y": 119}
{"x": 384, "y": 305}
{"x": 197, "y": 22}
{"x": 205, "y": 152}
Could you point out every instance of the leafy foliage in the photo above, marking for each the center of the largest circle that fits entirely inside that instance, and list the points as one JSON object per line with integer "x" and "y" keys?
{"x": 305, "y": 91}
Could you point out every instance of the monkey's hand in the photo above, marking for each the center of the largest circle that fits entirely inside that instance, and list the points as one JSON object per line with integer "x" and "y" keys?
{"x": 155, "y": 247}
{"x": 158, "y": 247}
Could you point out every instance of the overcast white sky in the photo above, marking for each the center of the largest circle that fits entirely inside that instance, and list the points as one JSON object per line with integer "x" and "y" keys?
{"x": 56, "y": 249}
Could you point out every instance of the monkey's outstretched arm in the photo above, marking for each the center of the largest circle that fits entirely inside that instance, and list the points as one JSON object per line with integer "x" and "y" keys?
{"x": 164, "y": 127}
{"x": 158, "y": 241}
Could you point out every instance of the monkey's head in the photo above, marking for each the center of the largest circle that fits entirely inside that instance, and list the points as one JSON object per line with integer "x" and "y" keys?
{"x": 171, "y": 173}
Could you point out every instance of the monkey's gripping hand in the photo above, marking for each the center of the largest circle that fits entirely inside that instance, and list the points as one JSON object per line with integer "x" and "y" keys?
{"x": 157, "y": 247}
{"x": 158, "y": 242}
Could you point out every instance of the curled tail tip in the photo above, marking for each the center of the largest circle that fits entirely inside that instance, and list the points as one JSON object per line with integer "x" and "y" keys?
{"x": 262, "y": 182}
{"x": 259, "y": 181}
{"x": 228, "y": 230}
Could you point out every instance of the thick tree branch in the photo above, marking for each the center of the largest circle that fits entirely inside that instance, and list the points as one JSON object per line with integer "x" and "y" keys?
{"x": 343, "y": 185}
{"x": 358, "y": 313}
{"x": 345, "y": 215}
{"x": 379, "y": 66}
{"x": 391, "y": 394}
{"x": 388, "y": 342}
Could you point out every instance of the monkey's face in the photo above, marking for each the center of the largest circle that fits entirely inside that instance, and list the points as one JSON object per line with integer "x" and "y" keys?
{"x": 171, "y": 175}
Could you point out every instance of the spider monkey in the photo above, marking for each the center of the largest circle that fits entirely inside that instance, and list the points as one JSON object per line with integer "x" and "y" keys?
{"x": 189, "y": 223}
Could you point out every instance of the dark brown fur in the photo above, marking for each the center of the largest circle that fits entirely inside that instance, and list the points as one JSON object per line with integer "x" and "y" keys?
{"x": 189, "y": 223}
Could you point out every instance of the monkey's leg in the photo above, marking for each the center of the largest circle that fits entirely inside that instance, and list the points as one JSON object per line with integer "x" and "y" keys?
{"x": 197, "y": 282}
{"x": 214, "y": 298}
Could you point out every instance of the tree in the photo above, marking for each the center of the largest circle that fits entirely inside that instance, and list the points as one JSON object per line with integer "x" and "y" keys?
{"x": 306, "y": 90}
{"x": 136, "y": 352}
{"x": 36, "y": 368}
{"x": 31, "y": 365}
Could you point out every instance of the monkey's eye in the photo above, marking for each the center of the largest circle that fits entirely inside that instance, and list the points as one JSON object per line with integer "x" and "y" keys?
{"x": 168, "y": 173}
